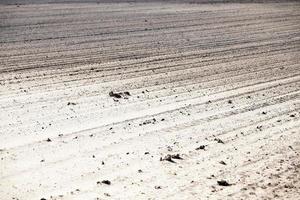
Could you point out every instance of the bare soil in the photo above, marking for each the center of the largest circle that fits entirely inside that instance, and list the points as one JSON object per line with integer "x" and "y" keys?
{"x": 149, "y": 100}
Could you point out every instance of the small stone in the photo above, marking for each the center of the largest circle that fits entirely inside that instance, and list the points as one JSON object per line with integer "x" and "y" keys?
{"x": 171, "y": 157}
{"x": 167, "y": 158}
{"x": 202, "y": 147}
{"x": 223, "y": 183}
{"x": 107, "y": 182}
{"x": 116, "y": 95}
{"x": 127, "y": 93}
{"x": 176, "y": 156}
{"x": 106, "y": 194}
{"x": 222, "y": 162}
{"x": 219, "y": 140}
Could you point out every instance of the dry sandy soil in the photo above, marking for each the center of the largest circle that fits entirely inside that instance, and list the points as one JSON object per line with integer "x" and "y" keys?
{"x": 217, "y": 84}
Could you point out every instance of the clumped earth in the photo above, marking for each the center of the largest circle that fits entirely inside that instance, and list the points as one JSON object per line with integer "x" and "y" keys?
{"x": 201, "y": 147}
{"x": 149, "y": 100}
{"x": 106, "y": 182}
{"x": 119, "y": 94}
{"x": 171, "y": 158}
{"x": 223, "y": 183}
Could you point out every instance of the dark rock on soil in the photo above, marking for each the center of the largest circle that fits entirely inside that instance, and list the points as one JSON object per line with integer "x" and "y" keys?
{"x": 119, "y": 95}
{"x": 171, "y": 157}
{"x": 127, "y": 93}
{"x": 176, "y": 156}
{"x": 219, "y": 140}
{"x": 167, "y": 158}
{"x": 116, "y": 95}
{"x": 106, "y": 182}
{"x": 222, "y": 162}
{"x": 149, "y": 121}
{"x": 223, "y": 183}
{"x": 202, "y": 147}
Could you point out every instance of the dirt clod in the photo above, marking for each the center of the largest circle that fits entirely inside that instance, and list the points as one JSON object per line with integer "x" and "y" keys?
{"x": 223, "y": 183}
{"x": 202, "y": 147}
{"x": 259, "y": 127}
{"x": 170, "y": 158}
{"x": 219, "y": 140}
{"x": 167, "y": 158}
{"x": 115, "y": 95}
{"x": 176, "y": 156}
{"x": 222, "y": 162}
{"x": 119, "y": 95}
{"x": 106, "y": 182}
{"x": 127, "y": 93}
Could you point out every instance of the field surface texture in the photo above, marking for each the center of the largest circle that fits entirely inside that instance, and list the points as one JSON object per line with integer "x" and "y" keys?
{"x": 149, "y": 100}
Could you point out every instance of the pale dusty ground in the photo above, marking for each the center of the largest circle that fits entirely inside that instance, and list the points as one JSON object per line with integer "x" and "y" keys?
{"x": 196, "y": 73}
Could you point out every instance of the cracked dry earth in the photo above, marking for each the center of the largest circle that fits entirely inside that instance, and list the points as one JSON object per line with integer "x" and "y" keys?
{"x": 149, "y": 101}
